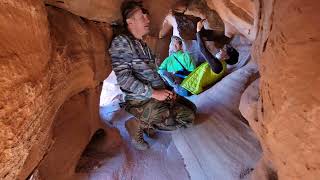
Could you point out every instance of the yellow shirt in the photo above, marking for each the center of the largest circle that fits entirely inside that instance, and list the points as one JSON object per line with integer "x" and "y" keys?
{"x": 202, "y": 77}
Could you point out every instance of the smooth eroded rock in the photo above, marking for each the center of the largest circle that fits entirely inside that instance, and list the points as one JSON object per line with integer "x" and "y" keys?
{"x": 239, "y": 17}
{"x": 249, "y": 105}
{"x": 24, "y": 57}
{"x": 287, "y": 50}
{"x": 97, "y": 10}
{"x": 44, "y": 61}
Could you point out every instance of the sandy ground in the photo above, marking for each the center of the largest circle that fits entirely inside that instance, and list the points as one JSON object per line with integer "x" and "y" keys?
{"x": 161, "y": 161}
{"x": 220, "y": 146}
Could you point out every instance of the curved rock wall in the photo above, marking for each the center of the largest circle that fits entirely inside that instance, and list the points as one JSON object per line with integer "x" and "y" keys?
{"x": 25, "y": 52}
{"x": 43, "y": 63}
{"x": 287, "y": 50}
{"x": 239, "y": 17}
{"x": 97, "y": 10}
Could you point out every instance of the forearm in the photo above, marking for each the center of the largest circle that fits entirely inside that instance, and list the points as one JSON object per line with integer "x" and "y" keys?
{"x": 214, "y": 63}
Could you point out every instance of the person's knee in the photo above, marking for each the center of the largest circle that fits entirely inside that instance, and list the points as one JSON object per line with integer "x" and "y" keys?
{"x": 192, "y": 116}
{"x": 184, "y": 101}
{"x": 185, "y": 114}
{"x": 156, "y": 112}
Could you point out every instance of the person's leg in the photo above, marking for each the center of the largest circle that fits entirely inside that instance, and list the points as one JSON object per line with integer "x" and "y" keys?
{"x": 168, "y": 77}
{"x": 135, "y": 131}
{"x": 165, "y": 115}
{"x": 135, "y": 126}
{"x": 184, "y": 111}
{"x": 150, "y": 115}
{"x": 156, "y": 114}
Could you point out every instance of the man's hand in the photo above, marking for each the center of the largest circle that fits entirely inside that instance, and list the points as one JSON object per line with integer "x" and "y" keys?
{"x": 200, "y": 25}
{"x": 163, "y": 94}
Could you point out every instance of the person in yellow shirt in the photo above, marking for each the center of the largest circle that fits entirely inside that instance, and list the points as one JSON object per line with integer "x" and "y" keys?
{"x": 213, "y": 69}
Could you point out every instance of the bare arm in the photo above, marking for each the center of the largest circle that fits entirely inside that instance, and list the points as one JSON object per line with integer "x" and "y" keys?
{"x": 166, "y": 26}
{"x": 214, "y": 63}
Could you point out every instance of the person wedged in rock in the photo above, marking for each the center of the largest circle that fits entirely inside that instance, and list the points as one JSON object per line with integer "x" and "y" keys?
{"x": 176, "y": 67}
{"x": 213, "y": 69}
{"x": 146, "y": 96}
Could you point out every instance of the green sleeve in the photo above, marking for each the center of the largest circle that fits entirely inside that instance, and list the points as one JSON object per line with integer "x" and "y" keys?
{"x": 190, "y": 64}
{"x": 163, "y": 65}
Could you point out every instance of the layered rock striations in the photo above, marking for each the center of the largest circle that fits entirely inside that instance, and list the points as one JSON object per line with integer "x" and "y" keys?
{"x": 287, "y": 52}
{"x": 47, "y": 57}
{"x": 53, "y": 61}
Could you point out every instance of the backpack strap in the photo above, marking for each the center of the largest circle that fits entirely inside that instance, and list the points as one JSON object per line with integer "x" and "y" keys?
{"x": 180, "y": 63}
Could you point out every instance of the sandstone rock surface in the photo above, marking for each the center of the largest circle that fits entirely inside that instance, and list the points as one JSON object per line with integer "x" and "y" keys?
{"x": 249, "y": 105}
{"x": 52, "y": 63}
{"x": 24, "y": 53}
{"x": 97, "y": 10}
{"x": 109, "y": 10}
{"x": 44, "y": 62}
{"x": 238, "y": 16}
{"x": 285, "y": 49}
{"x": 287, "y": 52}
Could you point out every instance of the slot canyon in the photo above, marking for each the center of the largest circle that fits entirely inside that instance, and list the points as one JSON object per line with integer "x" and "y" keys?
{"x": 59, "y": 112}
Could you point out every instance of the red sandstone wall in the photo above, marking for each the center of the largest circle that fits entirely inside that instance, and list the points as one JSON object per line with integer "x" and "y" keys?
{"x": 25, "y": 52}
{"x": 238, "y": 16}
{"x": 287, "y": 49}
{"x": 44, "y": 61}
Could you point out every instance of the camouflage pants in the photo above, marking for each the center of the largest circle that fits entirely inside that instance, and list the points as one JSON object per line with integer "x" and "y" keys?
{"x": 163, "y": 115}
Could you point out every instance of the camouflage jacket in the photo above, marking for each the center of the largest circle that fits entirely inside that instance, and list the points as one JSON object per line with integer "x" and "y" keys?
{"x": 134, "y": 66}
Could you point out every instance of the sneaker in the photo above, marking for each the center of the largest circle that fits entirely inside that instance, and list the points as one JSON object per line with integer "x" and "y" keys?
{"x": 136, "y": 134}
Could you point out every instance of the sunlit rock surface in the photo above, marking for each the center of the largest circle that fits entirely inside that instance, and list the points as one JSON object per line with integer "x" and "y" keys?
{"x": 249, "y": 104}
{"x": 220, "y": 145}
{"x": 98, "y": 10}
{"x": 24, "y": 91}
{"x": 289, "y": 87}
{"x": 239, "y": 17}
{"x": 45, "y": 61}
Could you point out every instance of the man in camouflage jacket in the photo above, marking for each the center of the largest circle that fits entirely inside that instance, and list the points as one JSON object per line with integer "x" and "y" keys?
{"x": 146, "y": 96}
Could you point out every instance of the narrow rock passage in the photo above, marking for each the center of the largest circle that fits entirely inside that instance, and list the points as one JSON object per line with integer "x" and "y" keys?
{"x": 220, "y": 146}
